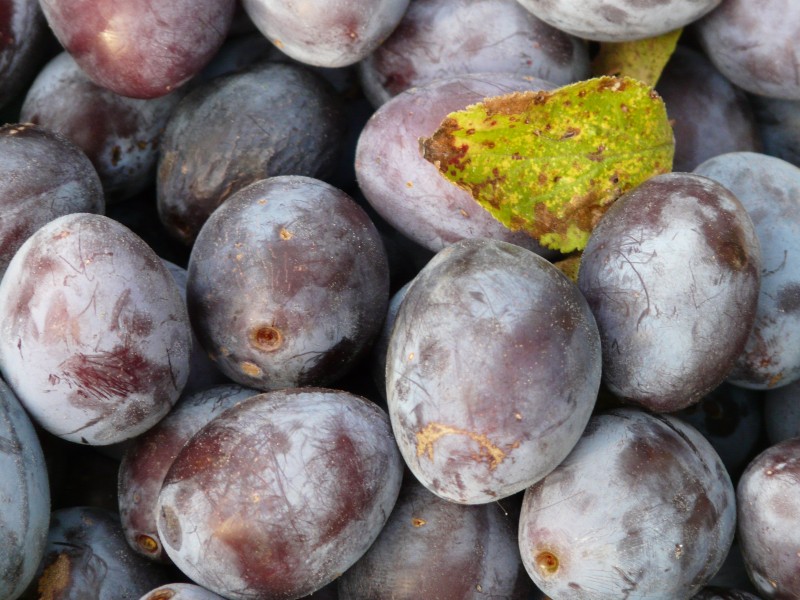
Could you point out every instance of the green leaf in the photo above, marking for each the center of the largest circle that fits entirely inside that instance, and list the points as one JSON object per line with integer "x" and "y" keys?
{"x": 640, "y": 59}
{"x": 550, "y": 163}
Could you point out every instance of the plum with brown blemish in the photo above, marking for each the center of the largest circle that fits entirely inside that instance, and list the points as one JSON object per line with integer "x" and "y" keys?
{"x": 268, "y": 119}
{"x": 492, "y": 370}
{"x": 439, "y": 39}
{"x": 86, "y": 556}
{"x": 140, "y": 48}
{"x": 23, "y": 45}
{"x": 43, "y": 176}
{"x": 24, "y": 497}
{"x": 120, "y": 135}
{"x": 642, "y": 508}
{"x": 326, "y": 33}
{"x": 95, "y": 335}
{"x": 672, "y": 274}
{"x": 279, "y": 495}
{"x": 181, "y": 591}
{"x": 769, "y": 188}
{"x": 619, "y": 20}
{"x": 407, "y": 190}
{"x": 755, "y": 45}
{"x": 150, "y": 455}
{"x": 288, "y": 284}
{"x": 432, "y": 548}
{"x": 768, "y": 504}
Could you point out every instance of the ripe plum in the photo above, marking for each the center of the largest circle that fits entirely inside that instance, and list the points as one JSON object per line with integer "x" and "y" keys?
{"x": 140, "y": 48}
{"x": 642, "y": 508}
{"x": 326, "y": 33}
{"x": 24, "y": 497}
{"x": 768, "y": 504}
{"x": 492, "y": 371}
{"x": 42, "y": 176}
{"x": 270, "y": 119}
{"x": 672, "y": 274}
{"x": 442, "y": 38}
{"x": 408, "y": 191}
{"x": 120, "y": 135}
{"x": 95, "y": 337}
{"x": 288, "y": 283}
{"x": 280, "y": 494}
{"x": 769, "y": 188}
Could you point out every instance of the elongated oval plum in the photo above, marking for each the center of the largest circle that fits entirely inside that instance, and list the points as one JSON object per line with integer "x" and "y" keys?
{"x": 309, "y": 277}
{"x": 672, "y": 274}
{"x": 148, "y": 458}
{"x": 492, "y": 370}
{"x": 94, "y": 335}
{"x": 279, "y": 495}
{"x": 326, "y": 33}
{"x": 140, "y": 48}
{"x": 42, "y": 176}
{"x": 432, "y": 548}
{"x": 24, "y": 497}
{"x": 642, "y": 508}
{"x": 769, "y": 188}
{"x": 768, "y": 504}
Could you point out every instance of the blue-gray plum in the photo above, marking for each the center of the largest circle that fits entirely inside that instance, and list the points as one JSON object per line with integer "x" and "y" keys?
{"x": 288, "y": 283}
{"x": 672, "y": 274}
{"x": 492, "y": 370}
{"x": 95, "y": 337}
{"x": 280, "y": 494}
{"x": 769, "y": 189}
{"x": 24, "y": 497}
{"x": 642, "y": 508}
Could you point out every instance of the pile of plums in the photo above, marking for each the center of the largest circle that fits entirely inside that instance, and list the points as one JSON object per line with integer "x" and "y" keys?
{"x": 254, "y": 347}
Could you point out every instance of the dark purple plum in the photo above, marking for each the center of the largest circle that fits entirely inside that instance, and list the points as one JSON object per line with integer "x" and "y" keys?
{"x": 672, "y": 274}
{"x": 288, "y": 283}
{"x": 181, "y": 591}
{"x": 709, "y": 115}
{"x": 768, "y": 496}
{"x": 87, "y": 557}
{"x": 754, "y": 44}
{"x": 149, "y": 457}
{"x": 270, "y": 119}
{"x": 492, "y": 370}
{"x": 120, "y": 135}
{"x": 326, "y": 33}
{"x": 442, "y": 38}
{"x": 95, "y": 335}
{"x": 618, "y": 20}
{"x": 779, "y": 124}
{"x": 24, "y": 497}
{"x": 140, "y": 48}
{"x": 769, "y": 188}
{"x": 432, "y": 548}
{"x": 42, "y": 176}
{"x": 408, "y": 191}
{"x": 279, "y": 495}
{"x": 22, "y": 36}
{"x": 642, "y": 508}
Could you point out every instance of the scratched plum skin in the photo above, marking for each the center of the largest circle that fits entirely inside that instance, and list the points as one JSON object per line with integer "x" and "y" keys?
{"x": 672, "y": 274}
{"x": 769, "y": 188}
{"x": 95, "y": 335}
{"x": 492, "y": 370}
{"x": 140, "y": 48}
{"x": 642, "y": 508}
{"x": 282, "y": 493}
{"x": 24, "y": 497}
{"x": 288, "y": 283}
{"x": 432, "y": 548}
{"x": 148, "y": 458}
{"x": 768, "y": 504}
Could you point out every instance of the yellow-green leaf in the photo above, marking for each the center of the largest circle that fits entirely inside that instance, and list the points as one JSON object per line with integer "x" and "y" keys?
{"x": 550, "y": 163}
{"x": 640, "y": 59}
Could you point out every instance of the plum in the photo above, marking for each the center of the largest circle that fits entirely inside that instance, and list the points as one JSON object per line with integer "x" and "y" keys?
{"x": 492, "y": 370}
